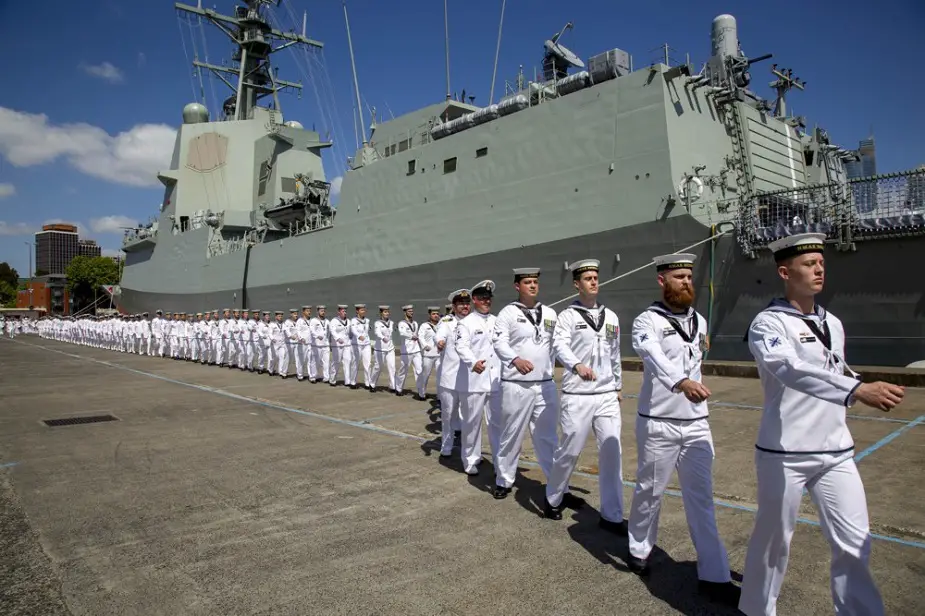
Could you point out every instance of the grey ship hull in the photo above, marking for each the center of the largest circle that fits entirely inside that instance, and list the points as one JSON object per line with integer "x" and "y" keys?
{"x": 882, "y": 306}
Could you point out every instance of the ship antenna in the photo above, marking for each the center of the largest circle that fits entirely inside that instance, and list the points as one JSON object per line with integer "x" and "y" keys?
{"x": 254, "y": 38}
{"x": 785, "y": 81}
{"x": 494, "y": 72}
{"x": 446, "y": 44}
{"x": 356, "y": 85}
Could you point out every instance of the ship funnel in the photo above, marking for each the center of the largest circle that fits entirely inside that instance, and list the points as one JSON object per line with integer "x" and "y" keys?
{"x": 725, "y": 36}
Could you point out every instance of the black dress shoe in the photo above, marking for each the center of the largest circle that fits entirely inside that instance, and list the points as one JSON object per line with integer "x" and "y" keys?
{"x": 725, "y": 593}
{"x": 571, "y": 501}
{"x": 500, "y": 492}
{"x": 617, "y": 528}
{"x": 550, "y": 512}
{"x": 639, "y": 566}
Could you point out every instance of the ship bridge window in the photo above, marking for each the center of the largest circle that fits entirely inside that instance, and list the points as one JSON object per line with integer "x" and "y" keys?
{"x": 411, "y": 166}
{"x": 481, "y": 152}
{"x": 404, "y": 145}
{"x": 449, "y": 165}
{"x": 288, "y": 185}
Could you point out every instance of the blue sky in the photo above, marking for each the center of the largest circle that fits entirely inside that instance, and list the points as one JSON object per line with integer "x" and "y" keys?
{"x": 93, "y": 91}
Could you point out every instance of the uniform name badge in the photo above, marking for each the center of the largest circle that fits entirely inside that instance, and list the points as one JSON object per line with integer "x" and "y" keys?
{"x": 610, "y": 331}
{"x": 703, "y": 343}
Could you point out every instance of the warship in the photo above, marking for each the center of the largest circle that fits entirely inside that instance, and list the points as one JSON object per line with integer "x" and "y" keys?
{"x": 588, "y": 159}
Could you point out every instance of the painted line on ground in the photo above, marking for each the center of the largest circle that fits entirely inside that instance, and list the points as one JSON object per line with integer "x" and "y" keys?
{"x": 9, "y": 464}
{"x": 889, "y": 438}
{"x": 379, "y": 430}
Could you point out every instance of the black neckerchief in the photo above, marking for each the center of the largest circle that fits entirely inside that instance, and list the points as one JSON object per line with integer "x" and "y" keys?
{"x": 528, "y": 313}
{"x": 343, "y": 322}
{"x": 663, "y": 310}
{"x": 584, "y": 315}
{"x": 412, "y": 325}
{"x": 782, "y": 306}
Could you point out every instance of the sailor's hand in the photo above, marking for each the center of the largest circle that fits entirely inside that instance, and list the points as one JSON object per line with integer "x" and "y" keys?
{"x": 479, "y": 366}
{"x": 427, "y": 348}
{"x": 693, "y": 391}
{"x": 880, "y": 395}
{"x": 619, "y": 396}
{"x": 523, "y": 366}
{"x": 586, "y": 373}
{"x": 441, "y": 345}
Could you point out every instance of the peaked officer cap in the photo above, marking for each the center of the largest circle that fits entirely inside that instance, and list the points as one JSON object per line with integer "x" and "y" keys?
{"x": 486, "y": 287}
{"x": 674, "y": 261}
{"x": 460, "y": 295}
{"x": 798, "y": 244}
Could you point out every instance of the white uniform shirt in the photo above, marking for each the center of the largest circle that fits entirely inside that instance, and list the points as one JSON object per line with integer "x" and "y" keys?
{"x": 449, "y": 364}
{"x": 427, "y": 337}
{"x": 805, "y": 389}
{"x": 277, "y": 333}
{"x": 407, "y": 331}
{"x": 592, "y": 340}
{"x": 303, "y": 329}
{"x": 670, "y": 352}
{"x": 359, "y": 331}
{"x": 473, "y": 344}
{"x": 383, "y": 331}
{"x": 319, "y": 329}
{"x": 339, "y": 332}
{"x": 289, "y": 332}
{"x": 525, "y": 333}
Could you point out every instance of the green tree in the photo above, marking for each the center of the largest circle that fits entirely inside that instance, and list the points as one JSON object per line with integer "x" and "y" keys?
{"x": 85, "y": 276}
{"x": 9, "y": 282}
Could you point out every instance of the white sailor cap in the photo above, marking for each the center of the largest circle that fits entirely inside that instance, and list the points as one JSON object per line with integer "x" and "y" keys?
{"x": 433, "y": 309}
{"x": 226, "y": 309}
{"x": 798, "y": 244}
{"x": 267, "y": 312}
{"x": 408, "y": 307}
{"x": 306, "y": 307}
{"x": 383, "y": 307}
{"x": 279, "y": 312}
{"x": 158, "y": 312}
{"x": 358, "y": 306}
{"x": 339, "y": 306}
{"x": 319, "y": 307}
{"x": 144, "y": 314}
{"x": 486, "y": 287}
{"x": 238, "y": 310}
{"x": 585, "y": 265}
{"x": 526, "y": 272}
{"x": 198, "y": 314}
{"x": 682, "y": 260}
{"x": 293, "y": 310}
{"x": 459, "y": 295}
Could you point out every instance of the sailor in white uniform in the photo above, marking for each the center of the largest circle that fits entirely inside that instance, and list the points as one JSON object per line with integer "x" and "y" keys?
{"x": 448, "y": 374}
{"x": 410, "y": 349}
{"x": 383, "y": 350}
{"x": 279, "y": 338}
{"x": 359, "y": 338}
{"x": 320, "y": 346}
{"x": 341, "y": 350}
{"x": 479, "y": 381}
{"x": 303, "y": 349}
{"x": 429, "y": 351}
{"x": 586, "y": 340}
{"x": 672, "y": 429}
{"x": 522, "y": 339}
{"x": 803, "y": 439}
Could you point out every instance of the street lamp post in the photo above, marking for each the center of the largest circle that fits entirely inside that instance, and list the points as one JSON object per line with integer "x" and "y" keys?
{"x": 29, "y": 244}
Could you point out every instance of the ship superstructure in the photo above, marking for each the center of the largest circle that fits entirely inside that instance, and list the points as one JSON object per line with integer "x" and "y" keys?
{"x": 604, "y": 160}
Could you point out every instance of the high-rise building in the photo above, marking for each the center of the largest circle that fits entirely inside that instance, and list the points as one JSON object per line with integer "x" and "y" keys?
{"x": 88, "y": 248}
{"x": 865, "y": 195}
{"x": 55, "y": 246}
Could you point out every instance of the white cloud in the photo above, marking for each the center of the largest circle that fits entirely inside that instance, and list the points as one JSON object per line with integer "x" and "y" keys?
{"x": 132, "y": 157}
{"x": 111, "y": 224}
{"x": 105, "y": 71}
{"x": 335, "y": 185}
{"x": 7, "y": 190}
{"x": 15, "y": 228}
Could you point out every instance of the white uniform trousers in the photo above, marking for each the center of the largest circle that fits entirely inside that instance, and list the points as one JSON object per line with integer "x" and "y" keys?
{"x": 427, "y": 368}
{"x": 242, "y": 353}
{"x": 205, "y": 350}
{"x": 413, "y": 360}
{"x": 174, "y": 346}
{"x": 388, "y": 358}
{"x": 251, "y": 346}
{"x": 579, "y": 414}
{"x": 450, "y": 418}
{"x": 262, "y": 352}
{"x": 281, "y": 354}
{"x": 472, "y": 407}
{"x": 230, "y": 351}
{"x": 302, "y": 356}
{"x": 218, "y": 351}
{"x": 663, "y": 445}
{"x": 148, "y": 340}
{"x": 340, "y": 357}
{"x": 358, "y": 354}
{"x": 835, "y": 486}
{"x": 321, "y": 360}
{"x": 525, "y": 404}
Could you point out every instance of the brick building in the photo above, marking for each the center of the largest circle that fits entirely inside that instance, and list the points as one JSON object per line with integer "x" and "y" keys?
{"x": 48, "y": 293}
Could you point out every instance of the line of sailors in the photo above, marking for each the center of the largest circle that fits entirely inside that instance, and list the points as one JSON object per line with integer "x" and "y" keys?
{"x": 502, "y": 368}
{"x": 14, "y": 326}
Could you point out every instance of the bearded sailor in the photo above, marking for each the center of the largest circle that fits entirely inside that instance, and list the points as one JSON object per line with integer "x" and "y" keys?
{"x": 803, "y": 439}
{"x": 479, "y": 378}
{"x": 410, "y": 350}
{"x": 429, "y": 351}
{"x": 384, "y": 350}
{"x": 339, "y": 336}
{"x": 672, "y": 430}
{"x": 522, "y": 339}
{"x": 360, "y": 351}
{"x": 586, "y": 340}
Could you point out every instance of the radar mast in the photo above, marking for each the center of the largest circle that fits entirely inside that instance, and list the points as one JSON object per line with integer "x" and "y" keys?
{"x": 255, "y": 40}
